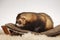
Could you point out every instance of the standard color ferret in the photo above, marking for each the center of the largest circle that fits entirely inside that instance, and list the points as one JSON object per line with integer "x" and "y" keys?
{"x": 36, "y": 22}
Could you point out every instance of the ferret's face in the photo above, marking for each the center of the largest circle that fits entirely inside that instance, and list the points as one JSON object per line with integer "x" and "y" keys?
{"x": 21, "y": 21}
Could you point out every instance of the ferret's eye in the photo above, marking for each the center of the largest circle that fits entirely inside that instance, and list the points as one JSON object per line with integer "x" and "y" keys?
{"x": 23, "y": 18}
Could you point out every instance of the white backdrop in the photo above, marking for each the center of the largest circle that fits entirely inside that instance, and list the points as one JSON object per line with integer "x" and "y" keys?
{"x": 10, "y": 8}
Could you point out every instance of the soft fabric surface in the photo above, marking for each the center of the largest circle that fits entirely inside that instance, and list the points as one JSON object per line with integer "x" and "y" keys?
{"x": 27, "y": 36}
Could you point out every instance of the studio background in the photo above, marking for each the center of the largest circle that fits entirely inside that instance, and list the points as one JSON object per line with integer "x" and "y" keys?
{"x": 10, "y": 8}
